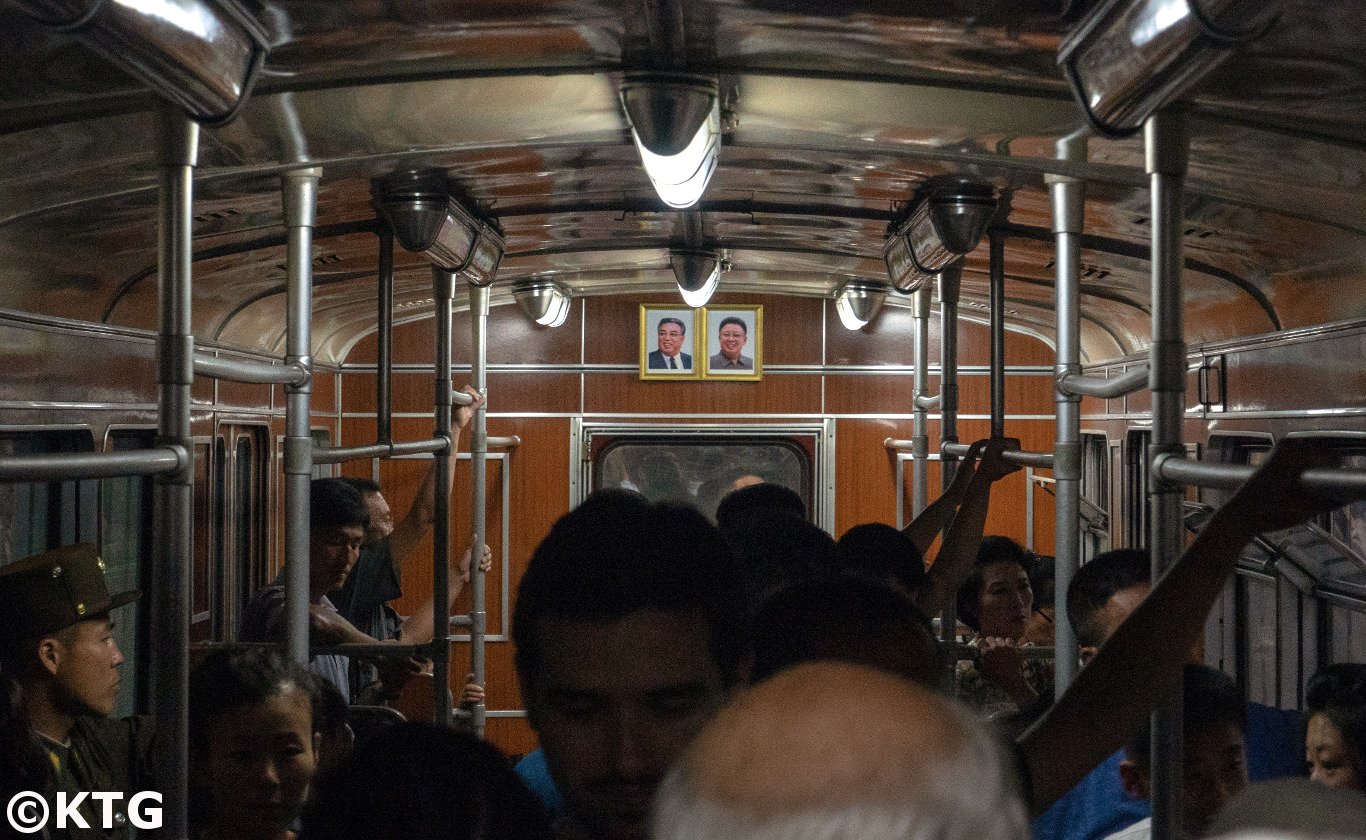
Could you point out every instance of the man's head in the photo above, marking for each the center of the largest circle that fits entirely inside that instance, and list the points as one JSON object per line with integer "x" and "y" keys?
{"x": 844, "y": 619}
{"x": 381, "y": 517}
{"x": 755, "y": 501}
{"x": 882, "y": 553}
{"x": 732, "y": 334}
{"x": 832, "y": 750}
{"x": 1103, "y": 593}
{"x": 1214, "y": 725}
{"x": 671, "y": 332}
{"x": 56, "y": 630}
{"x": 337, "y": 521}
{"x": 628, "y": 638}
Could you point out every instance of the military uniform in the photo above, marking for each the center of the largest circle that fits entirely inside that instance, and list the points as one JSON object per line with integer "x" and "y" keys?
{"x": 40, "y": 596}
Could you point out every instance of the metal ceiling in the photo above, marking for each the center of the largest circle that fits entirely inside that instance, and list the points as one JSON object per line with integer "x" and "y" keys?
{"x": 840, "y": 112}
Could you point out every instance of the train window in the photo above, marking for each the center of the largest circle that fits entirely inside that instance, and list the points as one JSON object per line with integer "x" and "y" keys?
{"x": 126, "y": 545}
{"x": 700, "y": 469}
{"x": 1347, "y": 633}
{"x": 41, "y": 515}
{"x": 1259, "y": 668}
{"x": 247, "y": 566}
{"x": 1136, "y": 487}
{"x": 1095, "y": 491}
{"x": 204, "y": 528}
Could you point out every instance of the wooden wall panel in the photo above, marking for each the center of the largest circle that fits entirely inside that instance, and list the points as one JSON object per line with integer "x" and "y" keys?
{"x": 513, "y": 339}
{"x": 856, "y": 393}
{"x": 616, "y": 393}
{"x": 865, "y": 471}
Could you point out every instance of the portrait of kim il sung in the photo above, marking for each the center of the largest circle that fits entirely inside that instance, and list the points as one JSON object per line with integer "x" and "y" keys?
{"x": 734, "y": 342}
{"x": 668, "y": 342}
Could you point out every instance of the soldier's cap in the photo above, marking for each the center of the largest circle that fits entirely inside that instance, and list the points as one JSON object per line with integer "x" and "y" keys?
{"x": 51, "y": 591}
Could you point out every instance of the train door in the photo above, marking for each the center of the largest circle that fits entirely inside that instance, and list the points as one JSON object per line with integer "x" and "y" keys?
{"x": 230, "y": 527}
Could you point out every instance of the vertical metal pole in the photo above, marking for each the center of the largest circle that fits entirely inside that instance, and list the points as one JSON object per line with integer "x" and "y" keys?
{"x": 385, "y": 339}
{"x": 479, "y": 448}
{"x": 920, "y": 437}
{"x": 300, "y": 189}
{"x": 1165, "y": 144}
{"x": 443, "y": 284}
{"x": 1068, "y": 219}
{"x": 997, "y": 294}
{"x": 173, "y": 493}
{"x": 949, "y": 283}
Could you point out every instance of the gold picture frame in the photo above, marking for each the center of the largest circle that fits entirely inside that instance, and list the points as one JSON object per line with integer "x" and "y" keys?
{"x": 665, "y": 354}
{"x": 744, "y": 363}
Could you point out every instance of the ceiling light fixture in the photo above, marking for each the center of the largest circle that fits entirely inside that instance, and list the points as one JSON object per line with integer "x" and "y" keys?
{"x": 698, "y": 273}
{"x": 858, "y": 303}
{"x": 1128, "y": 58}
{"x": 544, "y": 301}
{"x": 427, "y": 220}
{"x": 202, "y": 56}
{"x": 945, "y": 225}
{"x": 675, "y": 121}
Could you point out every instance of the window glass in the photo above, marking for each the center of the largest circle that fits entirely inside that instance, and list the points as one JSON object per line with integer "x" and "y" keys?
{"x": 35, "y": 517}
{"x": 1259, "y": 653}
{"x": 1348, "y": 635}
{"x": 702, "y": 470}
{"x": 125, "y": 545}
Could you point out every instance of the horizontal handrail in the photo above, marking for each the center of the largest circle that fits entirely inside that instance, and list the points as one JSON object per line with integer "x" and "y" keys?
{"x": 341, "y": 454}
{"x": 1040, "y": 460}
{"x": 928, "y": 403}
{"x": 898, "y": 443}
{"x": 1343, "y": 482}
{"x": 75, "y": 466}
{"x": 508, "y": 441}
{"x": 370, "y": 649}
{"x": 1096, "y": 386}
{"x": 966, "y": 652}
{"x": 461, "y": 621}
{"x": 953, "y": 449}
{"x": 461, "y": 398}
{"x": 256, "y": 373}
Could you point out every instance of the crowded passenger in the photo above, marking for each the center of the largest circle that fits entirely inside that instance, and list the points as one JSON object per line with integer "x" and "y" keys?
{"x": 375, "y": 580}
{"x": 254, "y": 745}
{"x": 628, "y": 639}
{"x": 1335, "y": 739}
{"x": 831, "y": 751}
{"x": 1102, "y": 594}
{"x": 1213, "y": 757}
{"x": 1292, "y": 809}
{"x": 57, "y": 646}
{"x": 416, "y": 781}
{"x": 997, "y": 602}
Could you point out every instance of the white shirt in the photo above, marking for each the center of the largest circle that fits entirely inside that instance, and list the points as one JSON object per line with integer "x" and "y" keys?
{"x": 1141, "y": 830}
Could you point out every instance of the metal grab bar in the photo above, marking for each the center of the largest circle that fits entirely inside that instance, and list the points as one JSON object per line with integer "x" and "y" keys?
{"x": 256, "y": 373}
{"x": 371, "y": 649}
{"x": 963, "y": 652}
{"x": 461, "y": 398}
{"x": 954, "y": 449}
{"x": 1038, "y": 460}
{"x": 340, "y": 454}
{"x": 928, "y": 403}
{"x": 1095, "y": 386}
{"x": 898, "y": 443}
{"x": 1344, "y": 482}
{"x": 461, "y": 621}
{"x": 74, "y": 466}
{"x": 509, "y": 441}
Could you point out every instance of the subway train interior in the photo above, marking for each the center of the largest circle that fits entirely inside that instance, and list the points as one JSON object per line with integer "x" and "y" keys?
{"x": 244, "y": 243}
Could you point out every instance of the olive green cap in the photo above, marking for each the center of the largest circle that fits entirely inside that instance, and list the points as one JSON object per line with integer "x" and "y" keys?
{"x": 54, "y": 590}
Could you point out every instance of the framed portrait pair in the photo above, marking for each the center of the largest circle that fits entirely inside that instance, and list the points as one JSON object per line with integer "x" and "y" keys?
{"x": 722, "y": 342}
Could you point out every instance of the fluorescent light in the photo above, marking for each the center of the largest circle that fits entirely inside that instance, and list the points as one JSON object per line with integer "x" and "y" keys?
{"x": 698, "y": 274}
{"x": 858, "y": 303}
{"x": 943, "y": 226}
{"x": 202, "y": 56}
{"x": 1129, "y": 58}
{"x": 676, "y": 125}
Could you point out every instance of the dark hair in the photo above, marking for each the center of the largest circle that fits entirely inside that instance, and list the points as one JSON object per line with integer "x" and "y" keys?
{"x": 1096, "y": 582}
{"x": 333, "y": 503}
{"x": 993, "y": 550}
{"x": 362, "y": 485}
{"x": 234, "y": 679}
{"x": 1209, "y": 699}
{"x": 844, "y": 619}
{"x": 1338, "y": 692}
{"x": 672, "y": 320}
{"x": 731, "y": 319}
{"x": 419, "y": 781}
{"x": 329, "y": 708}
{"x": 617, "y": 554}
{"x": 758, "y": 500}
{"x": 775, "y": 551}
{"x": 882, "y": 553}
{"x": 25, "y": 765}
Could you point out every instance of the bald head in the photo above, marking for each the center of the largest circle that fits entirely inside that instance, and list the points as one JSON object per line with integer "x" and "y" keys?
{"x": 831, "y": 750}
